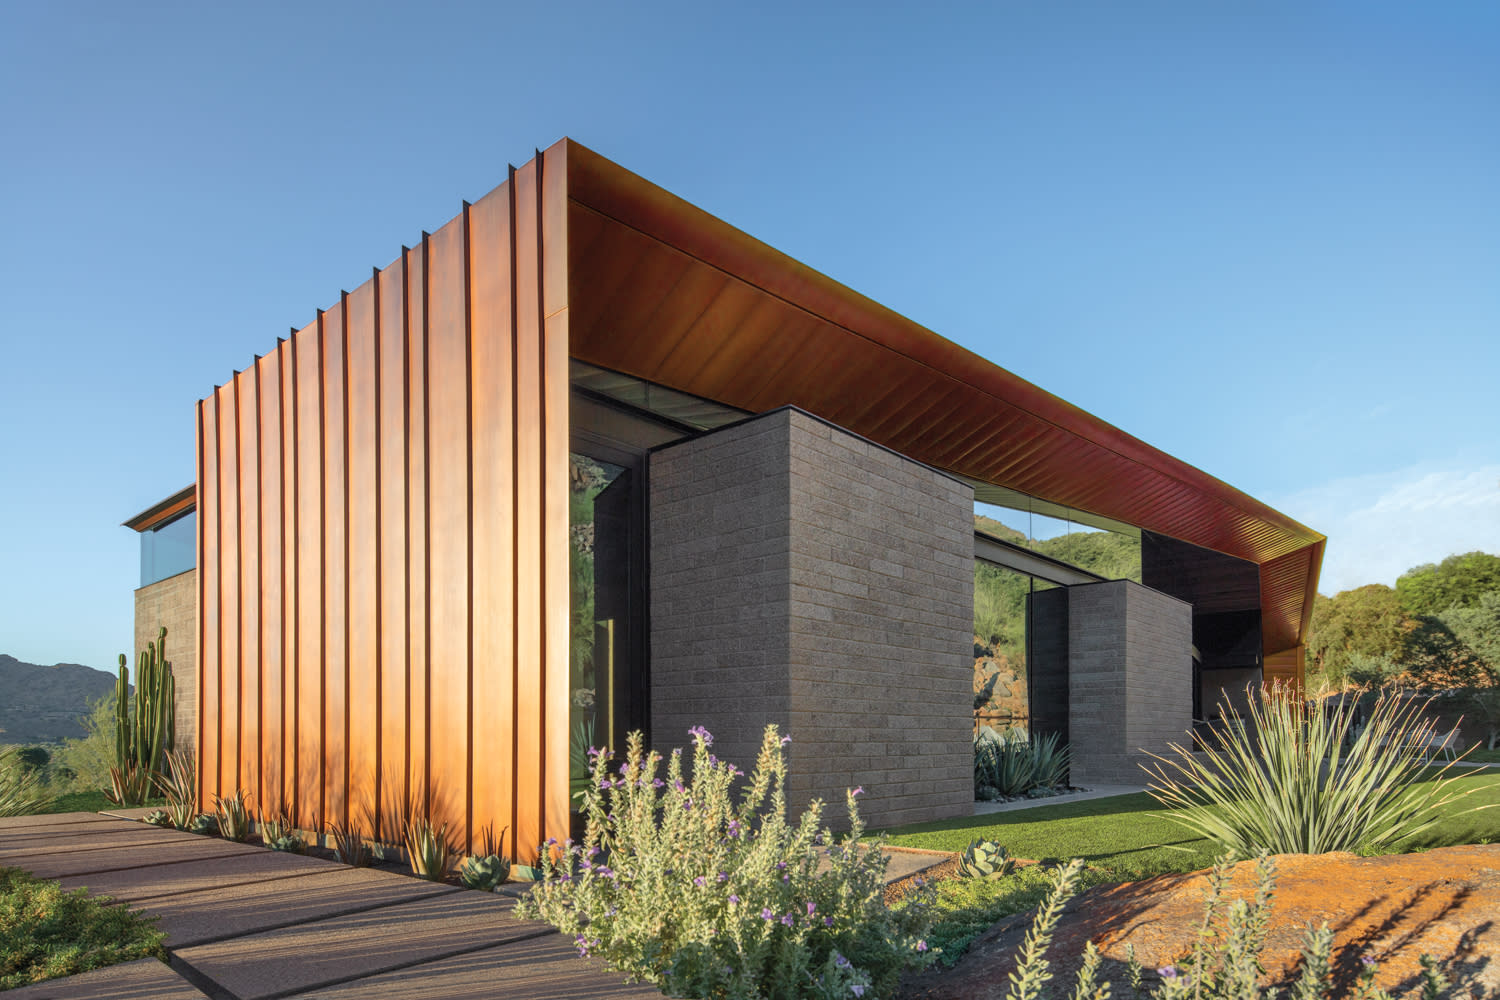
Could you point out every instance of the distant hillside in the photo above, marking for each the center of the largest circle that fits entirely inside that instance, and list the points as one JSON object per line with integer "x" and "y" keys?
{"x": 42, "y": 704}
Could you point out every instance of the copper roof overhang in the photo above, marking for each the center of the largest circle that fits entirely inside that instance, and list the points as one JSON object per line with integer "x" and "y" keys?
{"x": 159, "y": 513}
{"x": 664, "y": 291}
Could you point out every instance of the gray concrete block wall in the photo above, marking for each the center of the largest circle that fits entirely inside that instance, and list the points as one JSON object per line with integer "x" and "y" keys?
{"x": 720, "y": 595}
{"x": 173, "y": 602}
{"x": 850, "y": 605}
{"x": 1129, "y": 678}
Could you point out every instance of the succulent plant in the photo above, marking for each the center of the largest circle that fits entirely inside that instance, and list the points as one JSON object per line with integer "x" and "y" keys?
{"x": 289, "y": 843}
{"x": 486, "y": 873}
{"x": 158, "y": 817}
{"x": 428, "y": 849}
{"x": 180, "y": 785}
{"x": 350, "y": 846}
{"x": 233, "y": 816}
{"x": 206, "y": 824}
{"x": 985, "y": 859}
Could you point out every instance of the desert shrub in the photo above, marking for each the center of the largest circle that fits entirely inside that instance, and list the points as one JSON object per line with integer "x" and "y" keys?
{"x": 23, "y": 789}
{"x": 711, "y": 892}
{"x": 1293, "y": 779}
{"x": 1224, "y": 961}
{"x": 90, "y": 758}
{"x": 49, "y": 933}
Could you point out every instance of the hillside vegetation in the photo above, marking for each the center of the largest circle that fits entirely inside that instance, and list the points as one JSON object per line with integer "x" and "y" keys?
{"x": 42, "y": 704}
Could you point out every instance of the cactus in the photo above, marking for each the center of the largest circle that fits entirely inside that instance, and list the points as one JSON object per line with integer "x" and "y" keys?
{"x": 985, "y": 859}
{"x": 485, "y": 873}
{"x": 143, "y": 725}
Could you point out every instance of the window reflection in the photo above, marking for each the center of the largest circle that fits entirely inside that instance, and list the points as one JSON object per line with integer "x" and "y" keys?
{"x": 169, "y": 549}
{"x": 600, "y": 537}
{"x": 1001, "y": 679}
{"x": 1112, "y": 554}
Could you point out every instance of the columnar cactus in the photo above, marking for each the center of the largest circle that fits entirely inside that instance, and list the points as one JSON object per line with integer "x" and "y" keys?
{"x": 143, "y": 736}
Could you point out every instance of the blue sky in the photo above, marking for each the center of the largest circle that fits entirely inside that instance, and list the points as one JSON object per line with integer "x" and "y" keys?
{"x": 1263, "y": 237}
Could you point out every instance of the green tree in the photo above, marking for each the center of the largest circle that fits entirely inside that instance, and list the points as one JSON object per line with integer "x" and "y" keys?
{"x": 1457, "y": 581}
{"x": 1366, "y": 621}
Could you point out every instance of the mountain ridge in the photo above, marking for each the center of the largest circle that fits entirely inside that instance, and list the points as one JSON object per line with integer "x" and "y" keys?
{"x": 42, "y": 704}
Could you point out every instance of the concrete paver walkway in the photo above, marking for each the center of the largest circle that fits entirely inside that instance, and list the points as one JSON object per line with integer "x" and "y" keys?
{"x": 244, "y": 923}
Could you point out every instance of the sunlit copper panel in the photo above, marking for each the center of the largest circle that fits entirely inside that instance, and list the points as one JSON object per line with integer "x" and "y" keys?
{"x": 665, "y": 292}
{"x": 383, "y": 541}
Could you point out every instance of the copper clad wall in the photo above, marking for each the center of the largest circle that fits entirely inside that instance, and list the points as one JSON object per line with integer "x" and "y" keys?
{"x": 382, "y": 518}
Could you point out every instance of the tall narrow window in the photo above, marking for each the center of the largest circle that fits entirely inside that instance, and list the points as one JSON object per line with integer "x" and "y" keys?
{"x": 603, "y": 533}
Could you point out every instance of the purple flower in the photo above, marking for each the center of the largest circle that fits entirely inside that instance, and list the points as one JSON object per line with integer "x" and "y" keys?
{"x": 860, "y": 790}
{"x": 703, "y": 734}
{"x": 766, "y": 914}
{"x": 857, "y": 990}
{"x": 734, "y": 828}
{"x": 811, "y": 908}
{"x": 678, "y": 787}
{"x": 606, "y": 783}
{"x": 828, "y": 922}
{"x": 786, "y": 920}
{"x": 786, "y": 878}
{"x": 583, "y": 946}
{"x": 699, "y": 881}
{"x": 723, "y": 876}
{"x": 733, "y": 898}
{"x": 713, "y": 760}
{"x": 781, "y": 866}
{"x": 839, "y": 961}
{"x": 625, "y": 767}
{"x": 921, "y": 945}
{"x": 658, "y": 783}
{"x": 1167, "y": 972}
{"x": 1368, "y": 962}
{"x": 785, "y": 740}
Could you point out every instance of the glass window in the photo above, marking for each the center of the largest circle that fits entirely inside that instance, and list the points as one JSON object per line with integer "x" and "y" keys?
{"x": 1001, "y": 680}
{"x": 601, "y": 527}
{"x": 169, "y": 549}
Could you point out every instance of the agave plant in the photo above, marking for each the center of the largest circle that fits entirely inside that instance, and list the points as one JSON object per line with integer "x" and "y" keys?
{"x": 985, "y": 859}
{"x": 290, "y": 843}
{"x": 158, "y": 817}
{"x": 1291, "y": 779}
{"x": 273, "y": 826}
{"x": 1003, "y": 763}
{"x": 180, "y": 786}
{"x": 428, "y": 849}
{"x": 233, "y": 815}
{"x": 485, "y": 874}
{"x": 1050, "y": 759}
{"x": 204, "y": 824}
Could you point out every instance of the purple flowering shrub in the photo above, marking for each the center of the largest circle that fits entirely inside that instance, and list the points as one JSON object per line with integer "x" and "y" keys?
{"x": 706, "y": 889}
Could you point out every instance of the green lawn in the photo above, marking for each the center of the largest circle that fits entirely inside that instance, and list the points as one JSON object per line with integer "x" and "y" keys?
{"x": 69, "y": 802}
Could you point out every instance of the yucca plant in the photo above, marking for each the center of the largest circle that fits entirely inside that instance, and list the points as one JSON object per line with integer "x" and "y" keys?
{"x": 22, "y": 790}
{"x": 129, "y": 785}
{"x": 428, "y": 850}
{"x": 985, "y": 859}
{"x": 350, "y": 846}
{"x": 1291, "y": 779}
{"x": 180, "y": 786}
